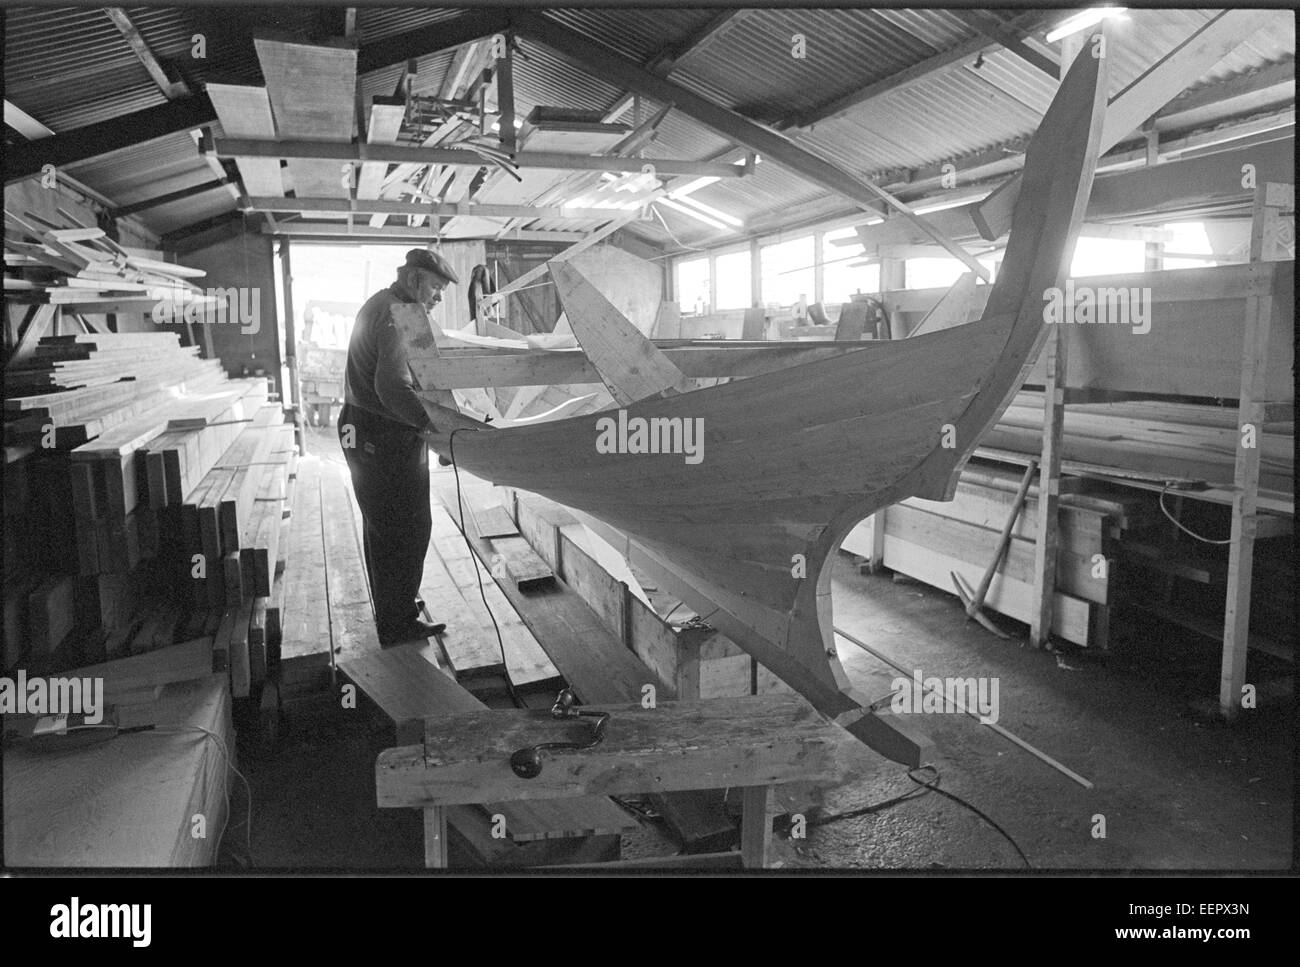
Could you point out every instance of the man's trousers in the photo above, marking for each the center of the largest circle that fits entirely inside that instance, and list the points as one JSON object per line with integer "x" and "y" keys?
{"x": 389, "y": 463}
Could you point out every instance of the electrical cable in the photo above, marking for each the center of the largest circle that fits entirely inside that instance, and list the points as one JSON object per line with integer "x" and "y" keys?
{"x": 1176, "y": 523}
{"x": 927, "y": 786}
{"x": 680, "y": 243}
{"x": 478, "y": 576}
{"x": 934, "y": 787}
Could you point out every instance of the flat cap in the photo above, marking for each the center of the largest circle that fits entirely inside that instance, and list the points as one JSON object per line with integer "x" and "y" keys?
{"x": 419, "y": 258}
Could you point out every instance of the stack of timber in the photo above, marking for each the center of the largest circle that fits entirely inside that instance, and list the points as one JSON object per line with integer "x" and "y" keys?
{"x": 1152, "y": 441}
{"x": 145, "y": 510}
{"x": 79, "y": 268}
{"x": 929, "y": 540}
{"x": 134, "y": 800}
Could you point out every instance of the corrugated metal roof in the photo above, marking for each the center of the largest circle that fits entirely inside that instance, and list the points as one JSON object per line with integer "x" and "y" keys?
{"x": 72, "y": 67}
{"x": 843, "y": 50}
{"x": 639, "y": 34}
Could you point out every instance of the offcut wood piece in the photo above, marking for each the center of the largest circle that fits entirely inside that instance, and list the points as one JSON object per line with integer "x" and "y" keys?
{"x": 748, "y": 742}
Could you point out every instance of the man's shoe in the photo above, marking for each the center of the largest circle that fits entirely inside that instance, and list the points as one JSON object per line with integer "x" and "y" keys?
{"x": 418, "y": 628}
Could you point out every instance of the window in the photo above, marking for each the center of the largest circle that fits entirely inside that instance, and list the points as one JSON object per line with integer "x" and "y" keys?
{"x": 693, "y": 286}
{"x": 840, "y": 277}
{"x": 788, "y": 271}
{"x": 1190, "y": 238}
{"x": 1107, "y": 256}
{"x": 732, "y": 287}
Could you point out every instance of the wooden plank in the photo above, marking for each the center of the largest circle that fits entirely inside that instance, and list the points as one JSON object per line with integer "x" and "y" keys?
{"x": 526, "y": 661}
{"x": 573, "y": 637}
{"x": 306, "y": 635}
{"x": 676, "y": 746}
{"x": 245, "y": 112}
{"x": 181, "y": 662}
{"x": 351, "y": 616}
{"x": 241, "y": 675}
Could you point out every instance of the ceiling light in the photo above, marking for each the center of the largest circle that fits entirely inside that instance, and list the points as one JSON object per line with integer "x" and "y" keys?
{"x": 698, "y": 216}
{"x": 713, "y": 212}
{"x": 693, "y": 186}
{"x": 1083, "y": 20}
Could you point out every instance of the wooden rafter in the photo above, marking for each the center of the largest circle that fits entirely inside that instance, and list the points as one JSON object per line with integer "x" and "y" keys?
{"x": 604, "y": 62}
{"x": 171, "y": 89}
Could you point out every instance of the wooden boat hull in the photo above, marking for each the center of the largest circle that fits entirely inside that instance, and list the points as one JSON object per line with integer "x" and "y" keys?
{"x": 789, "y": 461}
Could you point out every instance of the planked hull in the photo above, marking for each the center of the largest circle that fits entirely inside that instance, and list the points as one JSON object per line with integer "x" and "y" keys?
{"x": 787, "y": 462}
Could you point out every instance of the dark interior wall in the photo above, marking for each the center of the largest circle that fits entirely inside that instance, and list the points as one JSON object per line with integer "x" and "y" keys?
{"x": 244, "y": 262}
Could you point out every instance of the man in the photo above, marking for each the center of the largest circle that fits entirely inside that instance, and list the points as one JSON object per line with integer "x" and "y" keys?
{"x": 388, "y": 455}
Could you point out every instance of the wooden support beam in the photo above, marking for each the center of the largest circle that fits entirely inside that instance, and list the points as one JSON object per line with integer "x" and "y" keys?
{"x": 170, "y": 197}
{"x": 24, "y": 123}
{"x": 1245, "y": 501}
{"x": 993, "y": 27}
{"x": 365, "y": 205}
{"x": 603, "y": 62}
{"x": 505, "y": 67}
{"x": 107, "y": 137}
{"x": 1046, "y": 546}
{"x": 343, "y": 231}
{"x": 171, "y": 89}
{"x": 394, "y": 154}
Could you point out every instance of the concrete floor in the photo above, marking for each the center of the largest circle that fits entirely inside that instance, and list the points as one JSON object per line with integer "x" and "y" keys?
{"x": 1177, "y": 791}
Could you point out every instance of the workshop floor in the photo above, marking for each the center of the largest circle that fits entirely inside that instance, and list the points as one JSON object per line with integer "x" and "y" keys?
{"x": 1176, "y": 790}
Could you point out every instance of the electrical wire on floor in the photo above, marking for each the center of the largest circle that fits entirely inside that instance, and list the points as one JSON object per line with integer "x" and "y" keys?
{"x": 926, "y": 786}
{"x": 478, "y": 575}
{"x": 230, "y": 767}
{"x": 1174, "y": 520}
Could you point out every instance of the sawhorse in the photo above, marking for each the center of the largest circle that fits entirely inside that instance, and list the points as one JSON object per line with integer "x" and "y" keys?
{"x": 752, "y": 743}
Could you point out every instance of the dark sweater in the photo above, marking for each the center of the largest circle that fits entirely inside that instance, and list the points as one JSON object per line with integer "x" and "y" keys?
{"x": 378, "y": 378}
